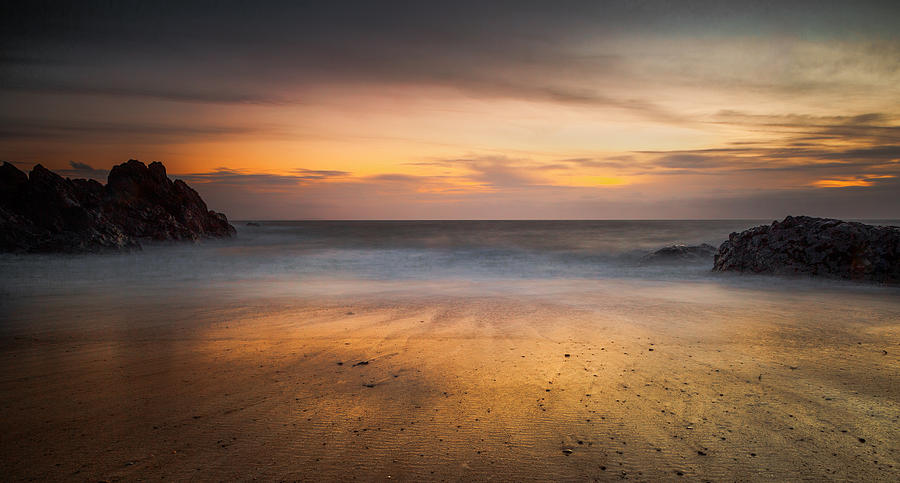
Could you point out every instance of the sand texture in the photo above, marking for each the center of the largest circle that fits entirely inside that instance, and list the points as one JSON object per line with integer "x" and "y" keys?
{"x": 650, "y": 382}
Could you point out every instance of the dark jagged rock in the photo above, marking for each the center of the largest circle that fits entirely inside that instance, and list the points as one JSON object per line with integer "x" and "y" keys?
{"x": 48, "y": 213}
{"x": 680, "y": 254}
{"x": 147, "y": 204}
{"x": 815, "y": 246}
{"x": 44, "y": 212}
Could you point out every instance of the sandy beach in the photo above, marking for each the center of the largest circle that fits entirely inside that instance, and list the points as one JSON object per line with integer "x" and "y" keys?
{"x": 451, "y": 381}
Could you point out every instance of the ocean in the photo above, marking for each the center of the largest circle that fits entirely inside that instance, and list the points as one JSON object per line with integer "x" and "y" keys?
{"x": 309, "y": 251}
{"x": 310, "y": 259}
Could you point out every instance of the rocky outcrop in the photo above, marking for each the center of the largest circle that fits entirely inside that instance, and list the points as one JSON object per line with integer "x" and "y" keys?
{"x": 147, "y": 204}
{"x": 815, "y": 246}
{"x": 680, "y": 254}
{"x": 44, "y": 212}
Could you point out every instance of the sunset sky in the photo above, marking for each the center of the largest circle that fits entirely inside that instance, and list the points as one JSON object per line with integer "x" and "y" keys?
{"x": 426, "y": 110}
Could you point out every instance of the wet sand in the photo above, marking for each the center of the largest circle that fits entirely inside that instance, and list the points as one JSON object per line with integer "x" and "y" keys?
{"x": 648, "y": 381}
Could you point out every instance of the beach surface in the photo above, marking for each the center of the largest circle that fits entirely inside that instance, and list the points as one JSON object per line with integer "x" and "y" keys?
{"x": 448, "y": 379}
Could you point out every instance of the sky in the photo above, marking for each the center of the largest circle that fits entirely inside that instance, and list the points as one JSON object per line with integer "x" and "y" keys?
{"x": 468, "y": 110}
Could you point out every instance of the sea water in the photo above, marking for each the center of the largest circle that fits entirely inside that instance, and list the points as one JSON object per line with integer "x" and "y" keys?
{"x": 313, "y": 258}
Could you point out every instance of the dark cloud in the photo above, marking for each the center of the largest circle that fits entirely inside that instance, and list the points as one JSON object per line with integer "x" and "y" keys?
{"x": 262, "y": 181}
{"x": 108, "y": 131}
{"x": 214, "y": 94}
{"x": 84, "y": 170}
{"x": 691, "y": 160}
{"x": 873, "y": 128}
{"x": 887, "y": 153}
{"x": 812, "y": 162}
{"x": 223, "y": 51}
{"x": 232, "y": 177}
{"x": 318, "y": 174}
{"x": 232, "y": 52}
{"x": 815, "y": 146}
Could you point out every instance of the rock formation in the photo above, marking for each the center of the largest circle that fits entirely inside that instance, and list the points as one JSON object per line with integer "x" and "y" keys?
{"x": 815, "y": 246}
{"x": 44, "y": 212}
{"x": 680, "y": 254}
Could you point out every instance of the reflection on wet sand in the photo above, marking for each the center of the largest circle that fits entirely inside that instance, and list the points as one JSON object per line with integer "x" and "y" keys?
{"x": 570, "y": 380}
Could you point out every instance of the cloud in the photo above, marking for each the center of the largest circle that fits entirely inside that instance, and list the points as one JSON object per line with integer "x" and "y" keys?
{"x": 261, "y": 181}
{"x": 692, "y": 160}
{"x": 117, "y": 132}
{"x": 811, "y": 162}
{"x": 545, "y": 90}
{"x": 317, "y": 174}
{"x": 619, "y": 162}
{"x": 396, "y": 196}
{"x": 397, "y": 178}
{"x": 278, "y": 56}
{"x": 813, "y": 147}
{"x": 884, "y": 153}
{"x": 492, "y": 171}
{"x": 870, "y": 128}
{"x": 84, "y": 170}
{"x": 498, "y": 171}
{"x": 213, "y": 95}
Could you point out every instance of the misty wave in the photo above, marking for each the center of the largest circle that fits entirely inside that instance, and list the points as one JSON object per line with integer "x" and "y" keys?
{"x": 306, "y": 252}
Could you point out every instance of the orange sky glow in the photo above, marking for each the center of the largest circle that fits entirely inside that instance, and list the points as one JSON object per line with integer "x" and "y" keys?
{"x": 722, "y": 114}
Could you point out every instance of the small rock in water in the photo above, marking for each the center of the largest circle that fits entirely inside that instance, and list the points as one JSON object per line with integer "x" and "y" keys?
{"x": 680, "y": 254}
